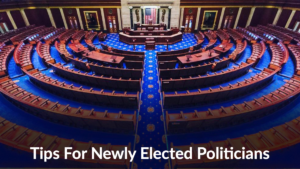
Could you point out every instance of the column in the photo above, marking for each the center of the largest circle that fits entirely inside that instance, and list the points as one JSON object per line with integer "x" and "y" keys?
{"x": 79, "y": 17}
{"x": 250, "y": 16}
{"x": 119, "y": 18}
{"x": 221, "y": 18}
{"x": 11, "y": 20}
{"x": 51, "y": 17}
{"x": 237, "y": 17}
{"x": 169, "y": 18}
{"x": 131, "y": 17}
{"x": 197, "y": 19}
{"x": 290, "y": 18}
{"x": 103, "y": 19}
{"x": 63, "y": 17}
{"x": 277, "y": 16}
{"x": 24, "y": 17}
{"x": 181, "y": 17}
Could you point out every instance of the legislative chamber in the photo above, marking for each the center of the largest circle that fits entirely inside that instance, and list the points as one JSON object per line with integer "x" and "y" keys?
{"x": 164, "y": 84}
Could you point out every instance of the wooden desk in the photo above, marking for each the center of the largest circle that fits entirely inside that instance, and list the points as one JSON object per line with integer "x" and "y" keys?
{"x": 159, "y": 40}
{"x": 197, "y": 58}
{"x": 223, "y": 48}
{"x": 102, "y": 57}
{"x": 77, "y": 47}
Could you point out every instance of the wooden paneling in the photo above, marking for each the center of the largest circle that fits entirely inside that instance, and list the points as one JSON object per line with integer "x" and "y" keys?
{"x": 230, "y": 11}
{"x": 285, "y": 14}
{"x": 16, "y": 15}
{"x": 295, "y": 19}
{"x": 263, "y": 16}
{"x": 113, "y": 13}
{"x": 238, "y": 3}
{"x": 57, "y": 17}
{"x": 38, "y": 17}
{"x": 244, "y": 17}
{"x": 71, "y": 12}
{"x": 202, "y": 13}
{"x": 91, "y": 9}
{"x": 4, "y": 18}
{"x": 190, "y": 11}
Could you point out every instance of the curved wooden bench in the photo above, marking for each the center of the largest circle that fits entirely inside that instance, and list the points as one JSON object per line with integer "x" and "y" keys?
{"x": 203, "y": 81}
{"x": 51, "y": 37}
{"x": 82, "y": 94}
{"x": 5, "y": 52}
{"x": 22, "y": 138}
{"x": 295, "y": 52}
{"x": 43, "y": 51}
{"x": 64, "y": 113}
{"x": 235, "y": 114}
{"x": 64, "y": 37}
{"x": 258, "y": 50}
{"x": 235, "y": 34}
{"x": 101, "y": 81}
{"x": 223, "y": 35}
{"x": 77, "y": 37}
{"x": 280, "y": 55}
{"x": 275, "y": 138}
{"x": 212, "y": 39}
{"x": 22, "y": 56}
{"x": 221, "y": 93}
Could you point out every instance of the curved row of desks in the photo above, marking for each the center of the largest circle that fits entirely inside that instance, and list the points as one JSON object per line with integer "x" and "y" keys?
{"x": 227, "y": 92}
{"x": 22, "y": 138}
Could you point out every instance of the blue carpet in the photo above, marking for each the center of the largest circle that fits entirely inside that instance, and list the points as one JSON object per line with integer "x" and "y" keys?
{"x": 37, "y": 61}
{"x": 55, "y": 55}
{"x": 13, "y": 69}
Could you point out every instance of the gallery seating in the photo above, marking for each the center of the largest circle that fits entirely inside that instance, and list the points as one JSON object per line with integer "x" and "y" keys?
{"x": 204, "y": 81}
{"x": 273, "y": 139}
{"x": 77, "y": 37}
{"x": 51, "y": 37}
{"x": 131, "y": 64}
{"x": 290, "y": 32}
{"x": 280, "y": 55}
{"x": 249, "y": 36}
{"x": 235, "y": 34}
{"x": 66, "y": 114}
{"x": 22, "y": 56}
{"x": 167, "y": 64}
{"x": 102, "y": 36}
{"x": 35, "y": 38}
{"x": 22, "y": 139}
{"x": 194, "y": 70}
{"x": 61, "y": 48}
{"x": 199, "y": 36}
{"x": 100, "y": 81}
{"x": 116, "y": 72}
{"x": 221, "y": 93}
{"x": 235, "y": 114}
{"x": 4, "y": 38}
{"x": 222, "y": 35}
{"x": 283, "y": 37}
{"x": 212, "y": 37}
{"x": 43, "y": 51}
{"x": 5, "y": 52}
{"x": 239, "y": 49}
{"x": 258, "y": 50}
{"x": 295, "y": 53}
{"x": 64, "y": 37}
{"x": 22, "y": 36}
{"x": 90, "y": 35}
{"x": 81, "y": 94}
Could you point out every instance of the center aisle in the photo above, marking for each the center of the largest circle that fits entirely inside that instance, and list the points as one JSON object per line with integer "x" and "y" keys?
{"x": 151, "y": 130}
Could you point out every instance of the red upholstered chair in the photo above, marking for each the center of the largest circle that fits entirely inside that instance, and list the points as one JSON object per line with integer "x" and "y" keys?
{"x": 138, "y": 29}
{"x": 161, "y": 28}
{"x": 142, "y": 34}
{"x": 143, "y": 28}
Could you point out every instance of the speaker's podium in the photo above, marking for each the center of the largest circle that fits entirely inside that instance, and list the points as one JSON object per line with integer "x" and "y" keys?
{"x": 150, "y": 44}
